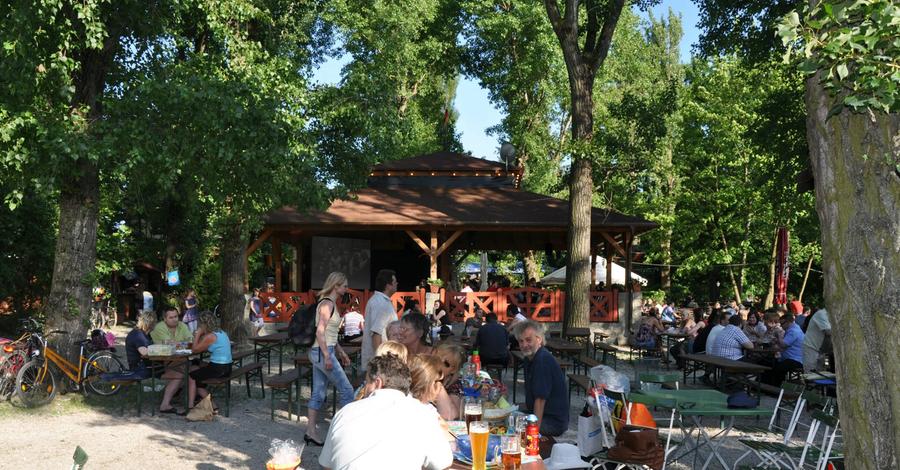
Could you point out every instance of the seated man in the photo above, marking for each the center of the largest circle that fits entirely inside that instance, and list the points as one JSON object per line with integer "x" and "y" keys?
{"x": 791, "y": 347}
{"x": 731, "y": 342}
{"x": 818, "y": 330}
{"x": 546, "y": 394}
{"x": 492, "y": 342}
{"x": 386, "y": 426}
{"x": 170, "y": 330}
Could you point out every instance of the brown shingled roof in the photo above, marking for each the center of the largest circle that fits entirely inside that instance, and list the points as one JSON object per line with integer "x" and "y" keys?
{"x": 436, "y": 207}
{"x": 441, "y": 161}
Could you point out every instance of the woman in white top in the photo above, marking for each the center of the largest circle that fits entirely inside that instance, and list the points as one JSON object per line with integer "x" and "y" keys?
{"x": 323, "y": 353}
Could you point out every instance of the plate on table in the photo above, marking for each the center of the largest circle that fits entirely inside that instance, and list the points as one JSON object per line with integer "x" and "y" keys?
{"x": 183, "y": 352}
{"x": 463, "y": 451}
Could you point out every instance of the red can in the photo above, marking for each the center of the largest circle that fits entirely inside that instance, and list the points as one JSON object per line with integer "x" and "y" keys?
{"x": 532, "y": 436}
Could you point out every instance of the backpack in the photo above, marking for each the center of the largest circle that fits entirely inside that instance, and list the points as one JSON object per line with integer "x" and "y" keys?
{"x": 302, "y": 328}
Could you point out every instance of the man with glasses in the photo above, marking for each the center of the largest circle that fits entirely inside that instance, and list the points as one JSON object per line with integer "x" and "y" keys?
{"x": 379, "y": 312}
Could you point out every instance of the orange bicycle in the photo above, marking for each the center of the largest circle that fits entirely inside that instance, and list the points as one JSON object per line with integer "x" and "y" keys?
{"x": 36, "y": 382}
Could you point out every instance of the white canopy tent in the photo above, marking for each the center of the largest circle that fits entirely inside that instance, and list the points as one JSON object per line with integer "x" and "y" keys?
{"x": 618, "y": 274}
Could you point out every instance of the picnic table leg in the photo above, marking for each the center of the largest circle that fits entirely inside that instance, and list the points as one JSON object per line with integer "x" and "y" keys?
{"x": 714, "y": 446}
{"x": 280, "y": 354}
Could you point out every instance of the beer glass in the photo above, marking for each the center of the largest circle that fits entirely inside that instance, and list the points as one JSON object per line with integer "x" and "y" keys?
{"x": 511, "y": 452}
{"x": 473, "y": 410}
{"x": 478, "y": 437}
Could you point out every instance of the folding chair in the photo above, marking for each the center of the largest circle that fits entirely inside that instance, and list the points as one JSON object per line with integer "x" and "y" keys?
{"x": 794, "y": 456}
{"x": 790, "y": 402}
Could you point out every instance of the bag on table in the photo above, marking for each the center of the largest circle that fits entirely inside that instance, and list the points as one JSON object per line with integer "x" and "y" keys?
{"x": 203, "y": 411}
{"x": 635, "y": 444}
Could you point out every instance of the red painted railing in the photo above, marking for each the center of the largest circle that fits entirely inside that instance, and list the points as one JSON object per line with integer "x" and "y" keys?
{"x": 538, "y": 304}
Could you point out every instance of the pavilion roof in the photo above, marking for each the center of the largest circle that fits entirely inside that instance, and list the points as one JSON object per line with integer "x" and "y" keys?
{"x": 443, "y": 208}
{"x": 441, "y": 161}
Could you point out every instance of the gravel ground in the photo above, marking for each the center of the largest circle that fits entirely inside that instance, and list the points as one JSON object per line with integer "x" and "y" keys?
{"x": 47, "y": 437}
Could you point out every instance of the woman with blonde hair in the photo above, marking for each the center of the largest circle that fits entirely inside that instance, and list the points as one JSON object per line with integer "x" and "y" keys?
{"x": 451, "y": 358}
{"x": 323, "y": 353}
{"x": 426, "y": 377}
{"x": 209, "y": 337}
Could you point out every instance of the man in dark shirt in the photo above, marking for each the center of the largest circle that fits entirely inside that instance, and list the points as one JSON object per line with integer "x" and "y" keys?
{"x": 545, "y": 385}
{"x": 492, "y": 342}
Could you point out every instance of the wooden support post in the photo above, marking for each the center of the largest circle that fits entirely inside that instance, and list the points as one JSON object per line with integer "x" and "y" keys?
{"x": 609, "y": 264}
{"x": 629, "y": 309}
{"x": 300, "y": 265}
{"x": 593, "y": 266}
{"x": 276, "y": 260}
{"x": 432, "y": 255}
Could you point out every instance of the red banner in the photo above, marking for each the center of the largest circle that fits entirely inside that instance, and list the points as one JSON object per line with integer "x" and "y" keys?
{"x": 782, "y": 266}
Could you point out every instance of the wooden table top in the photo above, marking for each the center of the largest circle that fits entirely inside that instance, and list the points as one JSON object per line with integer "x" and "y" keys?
{"x": 272, "y": 338}
{"x": 726, "y": 364}
{"x": 578, "y": 333}
{"x": 675, "y": 335}
{"x": 563, "y": 346}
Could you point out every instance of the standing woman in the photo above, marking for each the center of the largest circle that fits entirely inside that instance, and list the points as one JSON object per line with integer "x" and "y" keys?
{"x": 324, "y": 354}
{"x": 191, "y": 306}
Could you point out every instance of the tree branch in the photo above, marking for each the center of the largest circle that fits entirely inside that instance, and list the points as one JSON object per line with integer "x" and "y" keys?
{"x": 601, "y": 50}
{"x": 591, "y": 26}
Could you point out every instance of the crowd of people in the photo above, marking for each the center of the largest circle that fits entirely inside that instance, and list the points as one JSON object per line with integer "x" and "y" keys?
{"x": 786, "y": 338}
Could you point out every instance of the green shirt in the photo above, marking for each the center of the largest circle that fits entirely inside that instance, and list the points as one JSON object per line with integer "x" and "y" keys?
{"x": 162, "y": 334}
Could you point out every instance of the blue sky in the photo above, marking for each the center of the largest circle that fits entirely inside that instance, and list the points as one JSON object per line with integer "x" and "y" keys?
{"x": 477, "y": 114}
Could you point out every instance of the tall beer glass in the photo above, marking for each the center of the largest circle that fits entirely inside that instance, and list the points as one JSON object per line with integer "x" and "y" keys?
{"x": 478, "y": 436}
{"x": 511, "y": 457}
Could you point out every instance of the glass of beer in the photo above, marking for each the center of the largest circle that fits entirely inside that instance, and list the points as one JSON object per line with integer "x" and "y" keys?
{"x": 511, "y": 452}
{"x": 478, "y": 436}
{"x": 474, "y": 410}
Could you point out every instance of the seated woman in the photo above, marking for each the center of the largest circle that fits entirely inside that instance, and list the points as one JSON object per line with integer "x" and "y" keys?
{"x": 395, "y": 331}
{"x": 417, "y": 335}
{"x": 426, "y": 372}
{"x": 137, "y": 344}
{"x": 647, "y": 330}
{"x": 754, "y": 328}
{"x": 209, "y": 337}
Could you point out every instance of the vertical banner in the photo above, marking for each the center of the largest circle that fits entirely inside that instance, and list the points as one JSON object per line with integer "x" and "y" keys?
{"x": 782, "y": 266}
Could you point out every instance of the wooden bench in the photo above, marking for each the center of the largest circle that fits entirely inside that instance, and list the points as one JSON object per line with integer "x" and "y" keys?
{"x": 248, "y": 371}
{"x": 608, "y": 350}
{"x": 281, "y": 385}
{"x": 586, "y": 362}
{"x": 582, "y": 381}
{"x": 739, "y": 369}
{"x": 237, "y": 358}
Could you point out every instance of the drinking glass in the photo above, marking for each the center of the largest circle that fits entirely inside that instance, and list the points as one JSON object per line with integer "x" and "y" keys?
{"x": 511, "y": 452}
{"x": 478, "y": 437}
{"x": 473, "y": 410}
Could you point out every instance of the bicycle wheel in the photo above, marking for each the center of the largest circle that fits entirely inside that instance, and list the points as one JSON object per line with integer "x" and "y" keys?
{"x": 34, "y": 385}
{"x": 101, "y": 362}
{"x": 9, "y": 369}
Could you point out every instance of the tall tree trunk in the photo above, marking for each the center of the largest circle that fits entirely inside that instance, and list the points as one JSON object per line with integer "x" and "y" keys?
{"x": 855, "y": 158}
{"x": 231, "y": 303}
{"x": 531, "y": 265}
{"x": 581, "y": 184}
{"x": 69, "y": 303}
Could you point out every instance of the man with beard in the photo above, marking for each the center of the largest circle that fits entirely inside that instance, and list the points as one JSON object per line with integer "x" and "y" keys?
{"x": 546, "y": 395}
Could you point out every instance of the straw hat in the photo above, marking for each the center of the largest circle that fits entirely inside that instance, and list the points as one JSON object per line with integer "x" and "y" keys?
{"x": 565, "y": 456}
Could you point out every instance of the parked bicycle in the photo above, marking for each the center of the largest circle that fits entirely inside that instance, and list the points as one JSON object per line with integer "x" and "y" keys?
{"x": 36, "y": 382}
{"x": 15, "y": 355}
{"x": 103, "y": 315}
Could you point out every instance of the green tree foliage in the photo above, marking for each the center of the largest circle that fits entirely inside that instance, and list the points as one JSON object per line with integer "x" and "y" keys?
{"x": 395, "y": 95}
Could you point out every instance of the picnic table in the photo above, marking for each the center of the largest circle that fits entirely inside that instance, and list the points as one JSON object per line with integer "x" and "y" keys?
{"x": 171, "y": 361}
{"x": 564, "y": 347}
{"x": 741, "y": 370}
{"x": 694, "y": 405}
{"x": 263, "y": 345}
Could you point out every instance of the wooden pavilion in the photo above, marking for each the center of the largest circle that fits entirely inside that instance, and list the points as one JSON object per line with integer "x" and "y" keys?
{"x": 429, "y": 206}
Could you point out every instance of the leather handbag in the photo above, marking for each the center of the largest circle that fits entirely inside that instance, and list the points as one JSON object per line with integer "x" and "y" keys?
{"x": 636, "y": 444}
